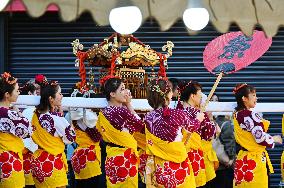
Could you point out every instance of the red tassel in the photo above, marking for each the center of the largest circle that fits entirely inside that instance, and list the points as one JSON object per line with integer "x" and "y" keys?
{"x": 162, "y": 71}
{"x": 82, "y": 71}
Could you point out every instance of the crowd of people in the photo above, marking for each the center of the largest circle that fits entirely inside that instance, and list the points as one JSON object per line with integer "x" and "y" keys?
{"x": 167, "y": 147}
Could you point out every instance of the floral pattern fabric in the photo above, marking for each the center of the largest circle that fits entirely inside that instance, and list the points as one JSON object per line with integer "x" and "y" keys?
{"x": 57, "y": 126}
{"x": 9, "y": 161}
{"x": 120, "y": 167}
{"x": 252, "y": 122}
{"x": 27, "y": 157}
{"x": 143, "y": 161}
{"x": 43, "y": 166}
{"x": 244, "y": 170}
{"x": 197, "y": 161}
{"x": 12, "y": 122}
{"x": 171, "y": 174}
{"x": 81, "y": 157}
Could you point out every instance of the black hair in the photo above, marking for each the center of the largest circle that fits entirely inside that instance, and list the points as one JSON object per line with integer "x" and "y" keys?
{"x": 111, "y": 85}
{"x": 28, "y": 87}
{"x": 175, "y": 82}
{"x": 188, "y": 88}
{"x": 6, "y": 87}
{"x": 214, "y": 94}
{"x": 46, "y": 90}
{"x": 240, "y": 91}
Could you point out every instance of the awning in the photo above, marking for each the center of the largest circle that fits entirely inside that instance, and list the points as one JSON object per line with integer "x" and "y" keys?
{"x": 269, "y": 14}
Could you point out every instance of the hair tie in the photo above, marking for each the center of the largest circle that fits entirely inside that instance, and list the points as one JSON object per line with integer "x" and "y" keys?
{"x": 156, "y": 87}
{"x": 237, "y": 88}
{"x": 8, "y": 78}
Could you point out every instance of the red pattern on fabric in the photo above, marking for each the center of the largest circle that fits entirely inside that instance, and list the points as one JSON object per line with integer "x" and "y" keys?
{"x": 6, "y": 169}
{"x": 58, "y": 164}
{"x": 9, "y": 161}
{"x": 172, "y": 174}
{"x": 244, "y": 170}
{"x": 17, "y": 165}
{"x": 120, "y": 167}
{"x": 119, "y": 161}
{"x": 197, "y": 161}
{"x": 81, "y": 157}
{"x": 150, "y": 142}
{"x": 143, "y": 160}
{"x": 43, "y": 156}
{"x": 51, "y": 157}
{"x": 27, "y": 157}
{"x": 4, "y": 157}
{"x": 132, "y": 171}
{"x": 47, "y": 166}
{"x": 42, "y": 166}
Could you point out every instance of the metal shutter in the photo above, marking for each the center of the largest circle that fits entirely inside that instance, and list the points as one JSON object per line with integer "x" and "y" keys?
{"x": 43, "y": 46}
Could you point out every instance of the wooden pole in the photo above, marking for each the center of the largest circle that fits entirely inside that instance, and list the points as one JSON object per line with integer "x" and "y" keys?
{"x": 203, "y": 108}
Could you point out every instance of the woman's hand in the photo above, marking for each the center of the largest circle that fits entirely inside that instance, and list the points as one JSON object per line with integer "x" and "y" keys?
{"x": 128, "y": 96}
{"x": 127, "y": 103}
{"x": 58, "y": 109}
{"x": 200, "y": 116}
{"x": 15, "y": 108}
{"x": 277, "y": 139}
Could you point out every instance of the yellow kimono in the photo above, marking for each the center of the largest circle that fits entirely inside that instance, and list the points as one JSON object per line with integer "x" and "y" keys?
{"x": 196, "y": 158}
{"x": 14, "y": 128}
{"x": 86, "y": 159}
{"x": 168, "y": 164}
{"x": 141, "y": 143}
{"x": 11, "y": 161}
{"x": 49, "y": 165}
{"x": 250, "y": 167}
{"x": 200, "y": 151}
{"x": 122, "y": 161}
{"x": 210, "y": 159}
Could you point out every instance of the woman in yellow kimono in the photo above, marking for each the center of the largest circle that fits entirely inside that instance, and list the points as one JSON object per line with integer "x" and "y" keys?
{"x": 117, "y": 123}
{"x": 167, "y": 165}
{"x": 86, "y": 159}
{"x": 199, "y": 147}
{"x": 13, "y": 128}
{"x": 252, "y": 166}
{"x": 51, "y": 132}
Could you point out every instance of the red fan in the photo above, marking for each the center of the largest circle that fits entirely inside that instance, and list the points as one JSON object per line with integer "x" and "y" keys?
{"x": 231, "y": 52}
